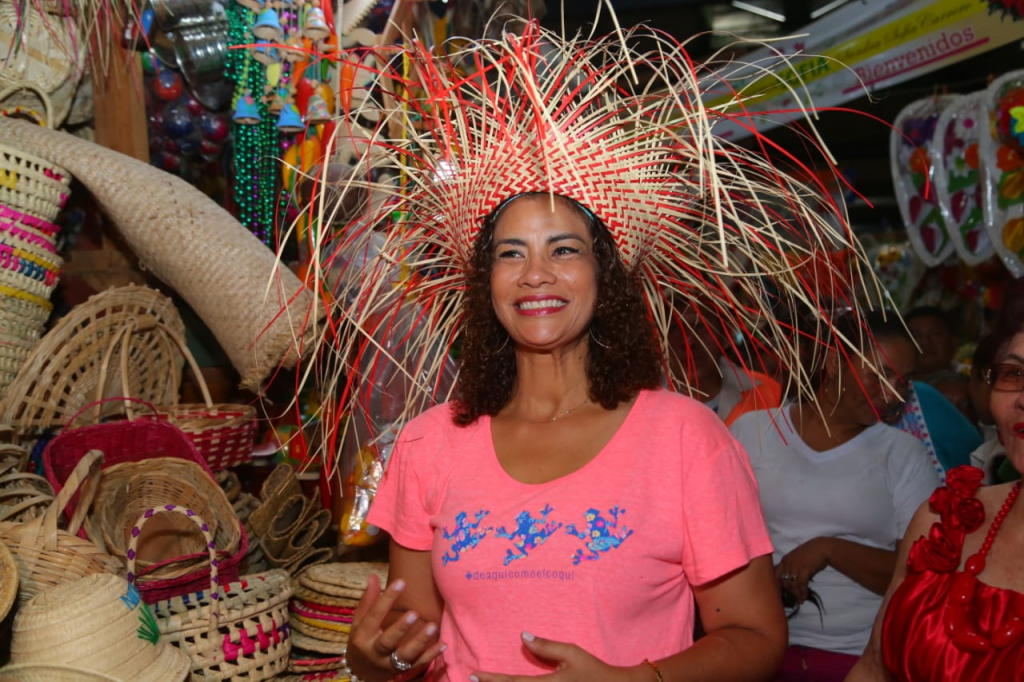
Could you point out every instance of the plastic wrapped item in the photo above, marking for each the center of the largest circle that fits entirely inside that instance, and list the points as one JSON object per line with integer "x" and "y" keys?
{"x": 959, "y": 176}
{"x": 1002, "y": 154}
{"x": 365, "y": 456}
{"x": 914, "y": 178}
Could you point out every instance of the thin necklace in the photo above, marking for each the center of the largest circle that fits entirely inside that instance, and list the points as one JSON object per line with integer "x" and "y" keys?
{"x": 563, "y": 413}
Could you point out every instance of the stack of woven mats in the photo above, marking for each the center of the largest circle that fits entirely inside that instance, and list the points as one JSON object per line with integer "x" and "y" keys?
{"x": 324, "y": 597}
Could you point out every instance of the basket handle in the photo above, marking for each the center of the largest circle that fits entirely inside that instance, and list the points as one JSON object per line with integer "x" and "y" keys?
{"x": 215, "y": 587}
{"x": 86, "y": 475}
{"x": 146, "y": 323}
{"x": 97, "y": 403}
{"x": 48, "y": 121}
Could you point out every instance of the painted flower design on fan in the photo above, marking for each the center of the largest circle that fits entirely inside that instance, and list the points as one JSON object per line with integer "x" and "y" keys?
{"x": 922, "y": 203}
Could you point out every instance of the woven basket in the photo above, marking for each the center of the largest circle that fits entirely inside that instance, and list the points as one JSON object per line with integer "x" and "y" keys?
{"x": 129, "y": 489}
{"x": 47, "y": 62}
{"x": 239, "y": 631}
{"x": 223, "y": 434}
{"x": 8, "y": 580}
{"x": 129, "y": 440}
{"x": 31, "y": 184}
{"x": 76, "y": 362}
{"x": 47, "y": 556}
{"x": 23, "y": 496}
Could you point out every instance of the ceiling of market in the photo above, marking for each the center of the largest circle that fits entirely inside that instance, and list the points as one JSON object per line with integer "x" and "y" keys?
{"x": 859, "y": 144}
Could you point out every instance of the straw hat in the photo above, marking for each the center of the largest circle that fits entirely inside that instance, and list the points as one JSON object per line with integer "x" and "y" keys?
{"x": 47, "y": 672}
{"x": 99, "y": 625}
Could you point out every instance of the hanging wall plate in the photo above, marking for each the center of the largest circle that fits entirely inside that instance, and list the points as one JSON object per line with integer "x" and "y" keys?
{"x": 914, "y": 181}
{"x": 1002, "y": 155}
{"x": 959, "y": 178}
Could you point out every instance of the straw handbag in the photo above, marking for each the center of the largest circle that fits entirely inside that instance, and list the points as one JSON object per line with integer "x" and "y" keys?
{"x": 238, "y": 631}
{"x": 47, "y": 556}
{"x": 174, "y": 557}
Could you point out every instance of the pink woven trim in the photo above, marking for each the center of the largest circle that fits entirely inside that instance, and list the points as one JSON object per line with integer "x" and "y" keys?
{"x": 315, "y": 614}
{"x": 30, "y": 220}
{"x": 247, "y": 646}
{"x": 27, "y": 236}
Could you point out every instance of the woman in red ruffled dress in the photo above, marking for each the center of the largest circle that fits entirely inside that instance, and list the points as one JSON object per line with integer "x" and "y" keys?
{"x": 955, "y": 609}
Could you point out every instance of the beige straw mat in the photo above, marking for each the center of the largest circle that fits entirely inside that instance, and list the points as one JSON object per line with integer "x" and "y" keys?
{"x": 343, "y": 579}
{"x": 304, "y": 642}
{"x": 231, "y": 280}
{"x": 305, "y": 594}
{"x": 99, "y": 624}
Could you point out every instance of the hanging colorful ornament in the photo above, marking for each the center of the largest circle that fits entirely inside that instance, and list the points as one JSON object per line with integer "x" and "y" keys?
{"x": 246, "y": 111}
{"x": 214, "y": 127}
{"x": 914, "y": 180}
{"x": 268, "y": 25}
{"x": 178, "y": 121}
{"x": 314, "y": 26}
{"x": 316, "y": 109}
{"x": 954, "y": 152}
{"x": 1002, "y": 157}
{"x": 289, "y": 120}
{"x": 264, "y": 54}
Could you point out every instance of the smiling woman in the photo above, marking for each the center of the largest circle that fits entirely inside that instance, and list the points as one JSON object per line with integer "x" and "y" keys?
{"x": 562, "y": 514}
{"x": 624, "y": 356}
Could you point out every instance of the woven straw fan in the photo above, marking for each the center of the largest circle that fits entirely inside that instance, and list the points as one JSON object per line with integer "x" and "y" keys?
{"x": 233, "y": 282}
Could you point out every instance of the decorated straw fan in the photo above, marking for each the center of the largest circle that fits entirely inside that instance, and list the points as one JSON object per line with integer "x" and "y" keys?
{"x": 959, "y": 177}
{"x": 81, "y": 360}
{"x": 914, "y": 181}
{"x": 1002, "y": 152}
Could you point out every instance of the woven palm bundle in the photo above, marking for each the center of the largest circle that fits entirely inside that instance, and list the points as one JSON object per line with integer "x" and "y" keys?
{"x": 231, "y": 280}
{"x": 620, "y": 129}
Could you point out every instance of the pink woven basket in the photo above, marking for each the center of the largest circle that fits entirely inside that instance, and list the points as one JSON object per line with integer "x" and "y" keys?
{"x": 128, "y": 440}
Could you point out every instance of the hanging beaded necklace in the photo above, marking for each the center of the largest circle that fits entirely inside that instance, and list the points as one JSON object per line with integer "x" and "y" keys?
{"x": 255, "y": 144}
{"x": 964, "y": 634}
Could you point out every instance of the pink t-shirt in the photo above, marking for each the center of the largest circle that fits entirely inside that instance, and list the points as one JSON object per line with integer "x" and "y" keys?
{"x": 603, "y": 558}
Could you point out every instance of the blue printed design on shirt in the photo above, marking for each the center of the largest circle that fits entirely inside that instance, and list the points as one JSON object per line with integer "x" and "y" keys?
{"x": 601, "y": 535}
{"x": 528, "y": 534}
{"x": 463, "y": 536}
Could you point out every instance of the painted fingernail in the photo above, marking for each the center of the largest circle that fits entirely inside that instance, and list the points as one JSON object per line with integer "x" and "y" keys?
{"x": 431, "y": 629}
{"x": 528, "y": 637}
{"x": 411, "y": 617}
{"x": 444, "y": 648}
{"x": 474, "y": 678}
{"x": 399, "y": 585}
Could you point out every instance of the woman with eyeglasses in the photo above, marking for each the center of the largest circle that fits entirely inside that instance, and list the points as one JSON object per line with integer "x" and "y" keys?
{"x": 838, "y": 487}
{"x": 955, "y": 608}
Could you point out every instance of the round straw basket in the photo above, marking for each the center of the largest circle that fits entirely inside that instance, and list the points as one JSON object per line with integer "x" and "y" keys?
{"x": 178, "y": 549}
{"x": 31, "y": 184}
{"x": 223, "y": 434}
{"x": 47, "y": 556}
{"x": 76, "y": 362}
{"x": 8, "y": 580}
{"x": 238, "y": 631}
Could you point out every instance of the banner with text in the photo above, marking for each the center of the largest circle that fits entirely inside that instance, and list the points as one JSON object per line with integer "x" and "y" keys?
{"x": 859, "y": 47}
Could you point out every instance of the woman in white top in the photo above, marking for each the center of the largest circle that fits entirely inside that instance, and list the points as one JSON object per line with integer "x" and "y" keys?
{"x": 838, "y": 488}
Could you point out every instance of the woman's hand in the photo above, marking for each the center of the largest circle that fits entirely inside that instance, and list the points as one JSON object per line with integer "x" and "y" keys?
{"x": 573, "y": 663}
{"x": 371, "y": 644}
{"x": 796, "y": 569}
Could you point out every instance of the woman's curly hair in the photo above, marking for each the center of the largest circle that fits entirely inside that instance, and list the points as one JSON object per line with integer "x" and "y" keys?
{"x": 624, "y": 355}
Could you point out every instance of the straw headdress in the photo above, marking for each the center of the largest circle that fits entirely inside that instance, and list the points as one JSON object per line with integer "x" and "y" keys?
{"x": 616, "y": 124}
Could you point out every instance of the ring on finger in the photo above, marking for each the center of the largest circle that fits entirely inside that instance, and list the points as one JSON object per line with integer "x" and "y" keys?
{"x": 787, "y": 576}
{"x": 399, "y": 664}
